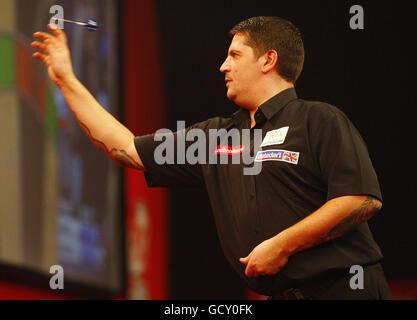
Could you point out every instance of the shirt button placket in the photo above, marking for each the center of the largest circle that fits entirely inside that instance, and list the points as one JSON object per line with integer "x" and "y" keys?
{"x": 252, "y": 195}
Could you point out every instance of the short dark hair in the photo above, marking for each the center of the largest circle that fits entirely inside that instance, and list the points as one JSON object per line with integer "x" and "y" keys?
{"x": 275, "y": 33}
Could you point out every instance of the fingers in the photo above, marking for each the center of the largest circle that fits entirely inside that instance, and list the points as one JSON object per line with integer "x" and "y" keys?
{"x": 60, "y": 34}
{"x": 40, "y": 57}
{"x": 57, "y": 34}
{"x": 250, "y": 271}
{"x": 48, "y": 40}
{"x": 252, "y": 268}
{"x": 244, "y": 260}
{"x": 40, "y": 46}
{"x": 43, "y": 36}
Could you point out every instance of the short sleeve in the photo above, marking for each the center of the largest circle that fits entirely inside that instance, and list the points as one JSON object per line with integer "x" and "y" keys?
{"x": 163, "y": 156}
{"x": 342, "y": 155}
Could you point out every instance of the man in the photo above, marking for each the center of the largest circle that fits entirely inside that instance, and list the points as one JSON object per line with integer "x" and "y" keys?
{"x": 294, "y": 229}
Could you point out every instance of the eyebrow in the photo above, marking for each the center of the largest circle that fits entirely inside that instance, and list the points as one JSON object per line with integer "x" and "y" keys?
{"x": 234, "y": 51}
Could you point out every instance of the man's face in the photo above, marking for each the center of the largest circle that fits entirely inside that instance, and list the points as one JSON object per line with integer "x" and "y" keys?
{"x": 242, "y": 70}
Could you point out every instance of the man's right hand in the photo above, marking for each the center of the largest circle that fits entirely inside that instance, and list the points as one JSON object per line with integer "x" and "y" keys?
{"x": 55, "y": 54}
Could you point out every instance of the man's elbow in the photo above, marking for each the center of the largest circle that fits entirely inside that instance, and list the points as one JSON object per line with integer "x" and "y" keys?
{"x": 370, "y": 206}
{"x": 377, "y": 204}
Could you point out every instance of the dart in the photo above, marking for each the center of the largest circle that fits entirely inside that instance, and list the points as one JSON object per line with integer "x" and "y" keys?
{"x": 91, "y": 24}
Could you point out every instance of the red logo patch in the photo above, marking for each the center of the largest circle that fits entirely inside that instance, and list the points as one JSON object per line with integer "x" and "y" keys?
{"x": 229, "y": 150}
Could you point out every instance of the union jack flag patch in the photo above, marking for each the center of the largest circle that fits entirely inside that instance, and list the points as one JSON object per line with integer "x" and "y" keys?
{"x": 277, "y": 155}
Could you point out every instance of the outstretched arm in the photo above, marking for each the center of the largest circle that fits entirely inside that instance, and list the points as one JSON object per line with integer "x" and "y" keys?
{"x": 105, "y": 131}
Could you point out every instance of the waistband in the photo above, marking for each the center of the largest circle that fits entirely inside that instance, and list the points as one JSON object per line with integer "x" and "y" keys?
{"x": 314, "y": 285}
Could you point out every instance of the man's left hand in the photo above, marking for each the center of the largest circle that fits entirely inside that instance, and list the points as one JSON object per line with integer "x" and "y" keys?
{"x": 267, "y": 258}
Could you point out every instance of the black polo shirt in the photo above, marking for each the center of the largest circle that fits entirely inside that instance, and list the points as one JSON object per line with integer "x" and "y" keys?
{"x": 310, "y": 153}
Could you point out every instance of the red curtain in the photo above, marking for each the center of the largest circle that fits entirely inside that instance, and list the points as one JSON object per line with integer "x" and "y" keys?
{"x": 144, "y": 110}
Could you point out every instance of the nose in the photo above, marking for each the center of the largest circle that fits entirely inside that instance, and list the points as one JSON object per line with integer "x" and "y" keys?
{"x": 225, "y": 66}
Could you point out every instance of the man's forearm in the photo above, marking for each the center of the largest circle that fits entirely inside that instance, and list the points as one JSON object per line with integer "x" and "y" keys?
{"x": 105, "y": 131}
{"x": 108, "y": 134}
{"x": 334, "y": 219}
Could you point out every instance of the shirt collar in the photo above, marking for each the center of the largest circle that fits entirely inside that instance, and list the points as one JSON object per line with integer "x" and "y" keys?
{"x": 269, "y": 108}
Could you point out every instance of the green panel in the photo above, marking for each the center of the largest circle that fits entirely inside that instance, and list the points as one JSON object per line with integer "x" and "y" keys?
{"x": 7, "y": 62}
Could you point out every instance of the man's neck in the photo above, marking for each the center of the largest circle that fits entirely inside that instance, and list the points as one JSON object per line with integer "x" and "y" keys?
{"x": 265, "y": 96}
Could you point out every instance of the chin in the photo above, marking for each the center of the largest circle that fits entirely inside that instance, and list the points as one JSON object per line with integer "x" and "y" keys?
{"x": 238, "y": 100}
{"x": 231, "y": 96}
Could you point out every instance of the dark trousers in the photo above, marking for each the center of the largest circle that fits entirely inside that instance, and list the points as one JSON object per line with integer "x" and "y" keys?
{"x": 336, "y": 286}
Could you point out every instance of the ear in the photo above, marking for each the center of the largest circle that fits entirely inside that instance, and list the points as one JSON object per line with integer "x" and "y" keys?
{"x": 270, "y": 61}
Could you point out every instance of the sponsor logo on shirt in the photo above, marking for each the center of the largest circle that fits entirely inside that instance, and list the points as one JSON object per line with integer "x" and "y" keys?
{"x": 278, "y": 155}
{"x": 229, "y": 150}
{"x": 276, "y": 136}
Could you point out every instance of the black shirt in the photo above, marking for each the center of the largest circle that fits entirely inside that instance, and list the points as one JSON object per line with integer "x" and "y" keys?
{"x": 320, "y": 156}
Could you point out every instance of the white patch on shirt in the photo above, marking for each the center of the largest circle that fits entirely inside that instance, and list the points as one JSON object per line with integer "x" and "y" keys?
{"x": 278, "y": 155}
{"x": 276, "y": 136}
